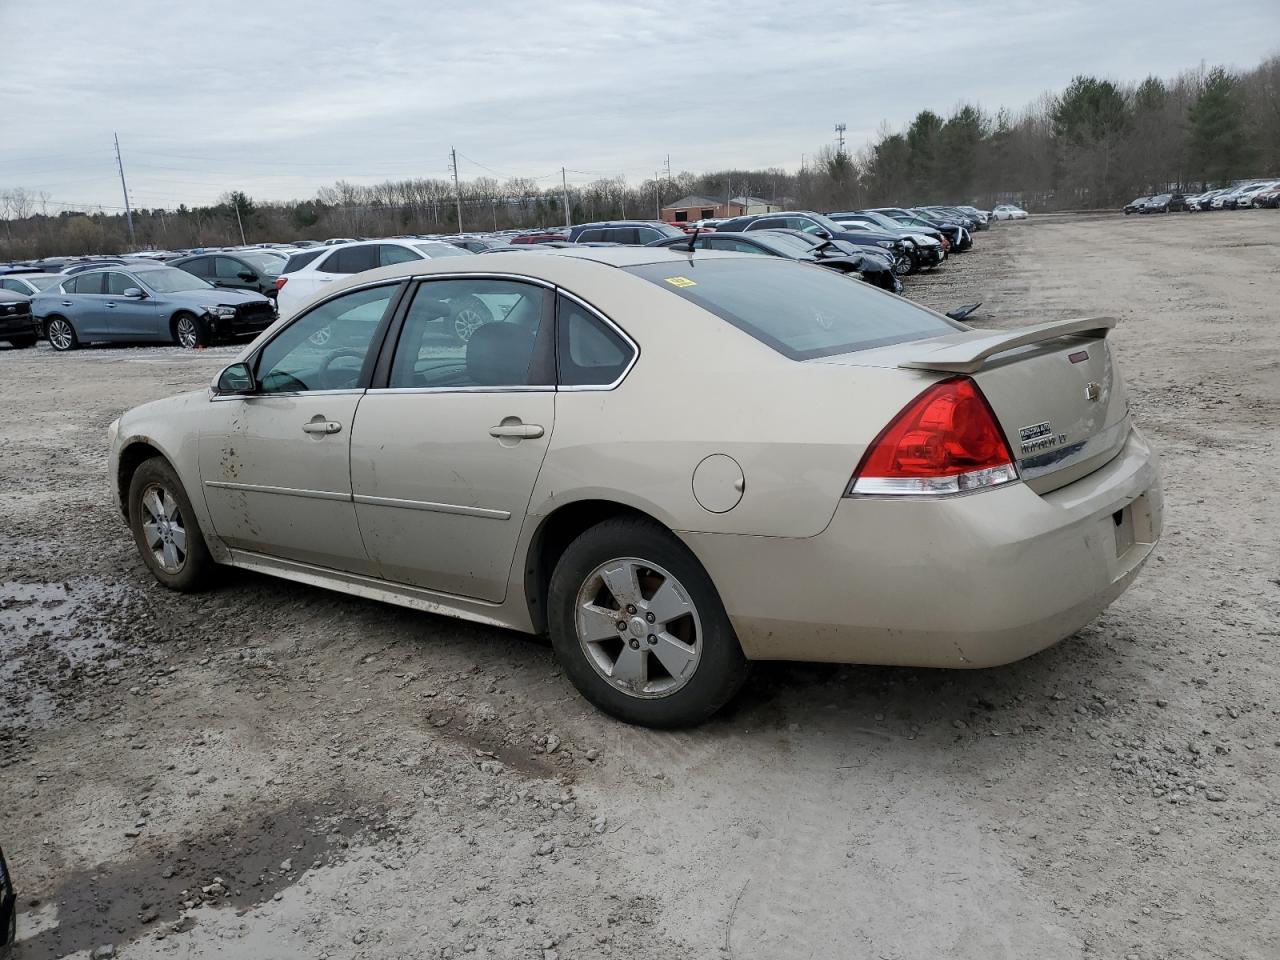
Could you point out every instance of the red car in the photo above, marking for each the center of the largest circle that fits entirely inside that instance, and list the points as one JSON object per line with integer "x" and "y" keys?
{"x": 541, "y": 236}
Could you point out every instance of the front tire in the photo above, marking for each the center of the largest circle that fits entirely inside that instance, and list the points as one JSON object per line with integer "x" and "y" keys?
{"x": 674, "y": 661}
{"x": 189, "y": 332}
{"x": 61, "y": 334}
{"x": 165, "y": 529}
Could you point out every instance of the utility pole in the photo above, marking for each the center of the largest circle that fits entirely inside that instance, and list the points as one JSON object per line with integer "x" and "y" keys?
{"x": 493, "y": 205}
{"x": 236, "y": 201}
{"x": 728, "y": 196}
{"x": 457, "y": 190}
{"x": 128, "y": 210}
{"x": 564, "y": 185}
{"x": 840, "y": 129}
{"x": 668, "y": 167}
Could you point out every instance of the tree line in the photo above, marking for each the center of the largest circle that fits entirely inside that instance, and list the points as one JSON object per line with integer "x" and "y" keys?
{"x": 1094, "y": 144}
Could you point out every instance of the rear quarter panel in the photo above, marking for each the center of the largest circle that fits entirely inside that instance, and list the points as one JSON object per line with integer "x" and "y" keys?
{"x": 702, "y": 387}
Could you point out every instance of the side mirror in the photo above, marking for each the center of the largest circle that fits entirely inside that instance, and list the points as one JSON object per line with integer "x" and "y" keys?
{"x": 235, "y": 379}
{"x": 248, "y": 276}
{"x": 824, "y": 234}
{"x": 133, "y": 293}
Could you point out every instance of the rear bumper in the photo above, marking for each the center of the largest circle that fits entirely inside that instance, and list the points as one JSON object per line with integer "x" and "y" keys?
{"x": 969, "y": 581}
{"x": 19, "y": 325}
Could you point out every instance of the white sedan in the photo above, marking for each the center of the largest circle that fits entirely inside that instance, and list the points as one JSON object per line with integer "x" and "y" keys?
{"x": 1007, "y": 211}
{"x": 673, "y": 462}
{"x": 337, "y": 261}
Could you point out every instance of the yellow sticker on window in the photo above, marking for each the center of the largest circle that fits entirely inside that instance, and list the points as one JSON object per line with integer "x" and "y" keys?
{"x": 681, "y": 282}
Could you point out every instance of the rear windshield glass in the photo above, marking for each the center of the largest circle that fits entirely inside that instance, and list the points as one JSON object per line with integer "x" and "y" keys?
{"x": 799, "y": 310}
{"x": 299, "y": 260}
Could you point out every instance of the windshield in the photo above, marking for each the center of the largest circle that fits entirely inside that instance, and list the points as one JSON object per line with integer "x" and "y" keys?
{"x": 264, "y": 262}
{"x": 170, "y": 280}
{"x": 880, "y": 219}
{"x": 434, "y": 250}
{"x": 786, "y": 244}
{"x": 801, "y": 311}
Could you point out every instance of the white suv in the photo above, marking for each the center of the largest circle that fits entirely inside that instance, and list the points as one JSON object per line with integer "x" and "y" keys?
{"x": 308, "y": 271}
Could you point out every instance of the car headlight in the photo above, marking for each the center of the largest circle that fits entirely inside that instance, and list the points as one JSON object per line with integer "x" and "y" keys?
{"x": 219, "y": 311}
{"x": 887, "y": 244}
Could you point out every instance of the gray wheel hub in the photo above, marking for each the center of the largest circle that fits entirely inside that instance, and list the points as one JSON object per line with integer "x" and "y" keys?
{"x": 638, "y": 627}
{"x": 164, "y": 529}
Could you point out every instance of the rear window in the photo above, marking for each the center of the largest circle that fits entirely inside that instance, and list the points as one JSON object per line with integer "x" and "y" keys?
{"x": 299, "y": 260}
{"x": 799, "y": 310}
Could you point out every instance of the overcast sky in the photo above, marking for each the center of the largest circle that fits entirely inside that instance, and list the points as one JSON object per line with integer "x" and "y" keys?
{"x": 279, "y": 99}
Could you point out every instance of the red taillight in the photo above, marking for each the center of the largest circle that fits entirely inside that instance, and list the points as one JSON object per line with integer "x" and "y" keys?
{"x": 946, "y": 440}
{"x": 280, "y": 282}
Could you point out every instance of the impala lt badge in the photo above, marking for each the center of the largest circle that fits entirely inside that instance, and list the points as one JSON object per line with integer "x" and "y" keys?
{"x": 1039, "y": 436}
{"x": 1093, "y": 391}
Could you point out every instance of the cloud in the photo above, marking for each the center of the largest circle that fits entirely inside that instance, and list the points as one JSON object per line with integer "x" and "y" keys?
{"x": 279, "y": 99}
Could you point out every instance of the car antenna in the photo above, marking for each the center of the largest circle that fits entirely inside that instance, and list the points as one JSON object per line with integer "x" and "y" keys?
{"x": 693, "y": 238}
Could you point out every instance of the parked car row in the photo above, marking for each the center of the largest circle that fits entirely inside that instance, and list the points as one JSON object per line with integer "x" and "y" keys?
{"x": 1251, "y": 194}
{"x": 202, "y": 295}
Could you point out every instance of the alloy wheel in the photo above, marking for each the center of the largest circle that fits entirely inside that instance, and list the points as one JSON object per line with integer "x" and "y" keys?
{"x": 466, "y": 322}
{"x": 187, "y": 334}
{"x": 638, "y": 627}
{"x": 61, "y": 335}
{"x": 164, "y": 529}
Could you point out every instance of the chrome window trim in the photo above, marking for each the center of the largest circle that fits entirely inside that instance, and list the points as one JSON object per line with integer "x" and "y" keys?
{"x": 542, "y": 388}
{"x": 297, "y": 394}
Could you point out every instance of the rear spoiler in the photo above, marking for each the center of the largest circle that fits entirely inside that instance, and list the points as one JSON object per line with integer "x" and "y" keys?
{"x": 966, "y": 353}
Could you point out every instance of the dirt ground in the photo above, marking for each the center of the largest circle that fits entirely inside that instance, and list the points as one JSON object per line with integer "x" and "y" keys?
{"x": 270, "y": 770}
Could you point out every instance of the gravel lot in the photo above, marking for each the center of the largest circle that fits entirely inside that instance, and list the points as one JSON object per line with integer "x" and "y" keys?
{"x": 274, "y": 770}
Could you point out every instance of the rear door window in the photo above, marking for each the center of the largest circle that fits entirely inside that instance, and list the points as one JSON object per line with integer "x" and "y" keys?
{"x": 198, "y": 267}
{"x": 224, "y": 268}
{"x": 351, "y": 259}
{"x": 90, "y": 283}
{"x": 799, "y": 310}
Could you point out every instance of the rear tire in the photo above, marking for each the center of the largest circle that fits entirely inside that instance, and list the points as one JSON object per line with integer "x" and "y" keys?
{"x": 679, "y": 674}
{"x": 165, "y": 528}
{"x": 61, "y": 334}
{"x": 188, "y": 331}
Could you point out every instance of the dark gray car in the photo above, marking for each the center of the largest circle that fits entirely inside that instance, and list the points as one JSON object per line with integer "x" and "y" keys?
{"x": 146, "y": 303}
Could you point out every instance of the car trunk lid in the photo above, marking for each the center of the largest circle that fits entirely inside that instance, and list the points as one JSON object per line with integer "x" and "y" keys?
{"x": 1053, "y": 388}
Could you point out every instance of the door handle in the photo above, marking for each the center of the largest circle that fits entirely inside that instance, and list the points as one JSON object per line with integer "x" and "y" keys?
{"x": 110, "y": 306}
{"x": 520, "y": 431}
{"x": 67, "y": 303}
{"x": 321, "y": 426}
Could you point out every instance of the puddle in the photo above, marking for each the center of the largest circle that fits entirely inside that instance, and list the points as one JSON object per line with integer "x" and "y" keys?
{"x": 50, "y": 632}
{"x": 117, "y": 902}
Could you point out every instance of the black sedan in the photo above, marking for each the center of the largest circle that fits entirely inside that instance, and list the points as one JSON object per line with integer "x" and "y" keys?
{"x": 823, "y": 227}
{"x": 250, "y": 270}
{"x": 17, "y": 324}
{"x": 875, "y": 270}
